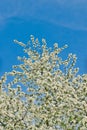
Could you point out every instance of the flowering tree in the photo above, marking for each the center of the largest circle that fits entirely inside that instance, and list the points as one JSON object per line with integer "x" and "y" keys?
{"x": 54, "y": 96}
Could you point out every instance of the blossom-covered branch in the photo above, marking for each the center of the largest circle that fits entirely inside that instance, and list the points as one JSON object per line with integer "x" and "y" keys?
{"x": 52, "y": 99}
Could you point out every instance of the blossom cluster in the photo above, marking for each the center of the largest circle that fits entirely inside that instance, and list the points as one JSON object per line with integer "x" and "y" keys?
{"x": 52, "y": 99}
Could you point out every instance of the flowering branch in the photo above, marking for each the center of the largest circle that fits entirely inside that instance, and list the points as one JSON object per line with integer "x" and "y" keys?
{"x": 53, "y": 98}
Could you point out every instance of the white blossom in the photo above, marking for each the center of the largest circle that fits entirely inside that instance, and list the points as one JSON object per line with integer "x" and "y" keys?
{"x": 52, "y": 99}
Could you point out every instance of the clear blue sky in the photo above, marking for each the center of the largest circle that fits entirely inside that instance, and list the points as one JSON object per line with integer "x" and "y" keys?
{"x": 61, "y": 21}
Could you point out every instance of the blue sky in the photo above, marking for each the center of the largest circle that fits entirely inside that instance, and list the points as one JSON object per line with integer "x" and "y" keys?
{"x": 61, "y": 21}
